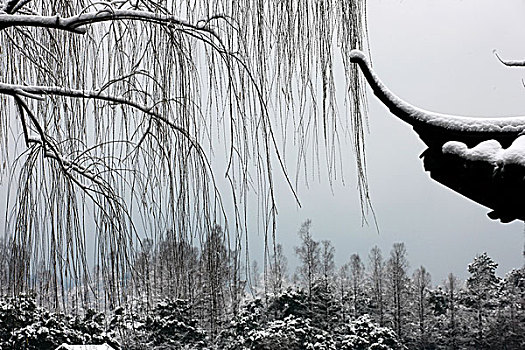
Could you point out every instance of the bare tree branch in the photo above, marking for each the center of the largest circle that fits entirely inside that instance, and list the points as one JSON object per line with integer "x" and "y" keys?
{"x": 142, "y": 110}
{"x": 75, "y": 24}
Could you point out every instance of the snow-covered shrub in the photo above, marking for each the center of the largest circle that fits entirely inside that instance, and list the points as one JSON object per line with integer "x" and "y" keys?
{"x": 290, "y": 333}
{"x": 171, "y": 323}
{"x": 23, "y": 325}
{"x": 364, "y": 334}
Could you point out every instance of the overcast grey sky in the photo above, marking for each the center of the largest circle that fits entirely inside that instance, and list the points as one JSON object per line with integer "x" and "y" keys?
{"x": 436, "y": 55}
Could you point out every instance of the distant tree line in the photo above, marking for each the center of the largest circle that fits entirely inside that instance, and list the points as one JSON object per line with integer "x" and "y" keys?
{"x": 185, "y": 297}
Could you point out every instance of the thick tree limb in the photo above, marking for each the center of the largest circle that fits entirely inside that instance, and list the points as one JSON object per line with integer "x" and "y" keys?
{"x": 76, "y": 23}
{"x": 37, "y": 92}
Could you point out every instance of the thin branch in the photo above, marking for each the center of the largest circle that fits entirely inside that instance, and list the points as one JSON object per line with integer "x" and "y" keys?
{"x": 19, "y": 4}
{"x": 50, "y": 150}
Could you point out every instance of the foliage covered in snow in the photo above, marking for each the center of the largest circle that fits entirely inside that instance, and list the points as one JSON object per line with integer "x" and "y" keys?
{"x": 485, "y": 312}
{"x": 24, "y": 325}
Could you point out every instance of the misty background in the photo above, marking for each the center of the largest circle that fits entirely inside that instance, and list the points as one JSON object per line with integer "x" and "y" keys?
{"x": 437, "y": 56}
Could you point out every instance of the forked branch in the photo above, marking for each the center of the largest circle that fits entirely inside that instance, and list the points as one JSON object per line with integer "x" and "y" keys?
{"x": 38, "y": 92}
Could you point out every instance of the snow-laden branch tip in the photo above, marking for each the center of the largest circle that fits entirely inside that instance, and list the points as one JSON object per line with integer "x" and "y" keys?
{"x": 414, "y": 115}
{"x": 77, "y": 23}
{"x": 509, "y": 63}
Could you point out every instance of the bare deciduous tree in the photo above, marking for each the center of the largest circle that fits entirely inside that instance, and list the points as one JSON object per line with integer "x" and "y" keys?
{"x": 278, "y": 270}
{"x": 327, "y": 262}
{"x": 452, "y": 287}
{"x": 376, "y": 272}
{"x": 357, "y": 273}
{"x": 117, "y": 114}
{"x": 397, "y": 266}
{"x": 309, "y": 254}
{"x": 343, "y": 281}
{"x": 421, "y": 279}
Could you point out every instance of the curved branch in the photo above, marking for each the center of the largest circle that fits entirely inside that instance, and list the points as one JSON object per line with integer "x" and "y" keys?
{"x": 76, "y": 23}
{"x": 38, "y": 91}
{"x": 50, "y": 151}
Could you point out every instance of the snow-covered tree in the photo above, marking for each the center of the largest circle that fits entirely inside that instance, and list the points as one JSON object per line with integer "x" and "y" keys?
{"x": 363, "y": 333}
{"x": 507, "y": 330}
{"x": 482, "y": 286}
{"x": 397, "y": 282}
{"x": 116, "y": 116}
{"x": 357, "y": 273}
{"x": 421, "y": 282}
{"x": 376, "y": 279}
{"x": 278, "y": 274}
{"x": 309, "y": 254}
{"x": 327, "y": 267}
{"x": 452, "y": 288}
{"x": 172, "y": 323}
{"x": 24, "y": 325}
{"x": 343, "y": 289}
{"x": 215, "y": 274}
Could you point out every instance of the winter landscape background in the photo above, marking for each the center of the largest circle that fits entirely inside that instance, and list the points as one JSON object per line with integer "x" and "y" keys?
{"x": 370, "y": 302}
{"x": 435, "y": 273}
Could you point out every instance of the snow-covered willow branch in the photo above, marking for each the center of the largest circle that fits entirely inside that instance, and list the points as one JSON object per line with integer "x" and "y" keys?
{"x": 116, "y": 116}
{"x": 76, "y": 24}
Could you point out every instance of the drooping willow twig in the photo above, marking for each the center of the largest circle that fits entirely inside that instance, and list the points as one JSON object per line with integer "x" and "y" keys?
{"x": 133, "y": 102}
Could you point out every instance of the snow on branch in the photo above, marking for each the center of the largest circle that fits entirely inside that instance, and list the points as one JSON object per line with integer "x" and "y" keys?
{"x": 37, "y": 92}
{"x": 131, "y": 111}
{"x": 76, "y": 24}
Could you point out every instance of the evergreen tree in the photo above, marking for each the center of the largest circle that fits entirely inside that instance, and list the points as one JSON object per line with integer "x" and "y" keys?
{"x": 508, "y": 330}
{"x": 24, "y": 325}
{"x": 171, "y": 323}
{"x": 452, "y": 288}
{"x": 482, "y": 286}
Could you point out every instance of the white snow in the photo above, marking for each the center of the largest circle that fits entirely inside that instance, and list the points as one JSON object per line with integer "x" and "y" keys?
{"x": 84, "y": 347}
{"x": 451, "y": 122}
{"x": 489, "y": 151}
